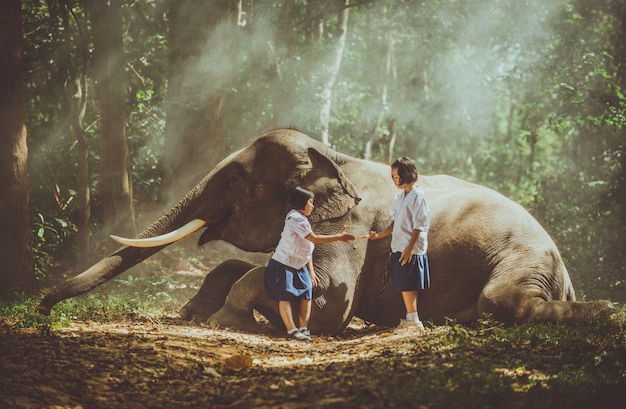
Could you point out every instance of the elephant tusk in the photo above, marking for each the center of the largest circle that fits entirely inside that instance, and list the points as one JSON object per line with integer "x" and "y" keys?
{"x": 167, "y": 238}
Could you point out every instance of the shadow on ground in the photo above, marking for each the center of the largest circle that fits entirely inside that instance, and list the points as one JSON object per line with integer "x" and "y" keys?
{"x": 175, "y": 365}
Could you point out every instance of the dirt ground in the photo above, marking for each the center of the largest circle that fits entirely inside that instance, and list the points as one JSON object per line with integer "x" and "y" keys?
{"x": 171, "y": 364}
{"x": 176, "y": 365}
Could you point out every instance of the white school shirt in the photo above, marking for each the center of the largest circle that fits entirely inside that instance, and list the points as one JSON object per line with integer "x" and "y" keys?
{"x": 293, "y": 249}
{"x": 410, "y": 212}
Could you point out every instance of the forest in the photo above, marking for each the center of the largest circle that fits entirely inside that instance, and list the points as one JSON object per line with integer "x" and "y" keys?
{"x": 127, "y": 104}
{"x": 113, "y": 110}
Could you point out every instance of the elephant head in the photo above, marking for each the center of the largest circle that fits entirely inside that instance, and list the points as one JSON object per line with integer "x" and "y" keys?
{"x": 243, "y": 201}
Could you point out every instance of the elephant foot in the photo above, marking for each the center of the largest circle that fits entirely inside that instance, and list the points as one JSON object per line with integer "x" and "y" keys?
{"x": 230, "y": 318}
{"x": 216, "y": 286}
{"x": 185, "y": 312}
{"x": 194, "y": 313}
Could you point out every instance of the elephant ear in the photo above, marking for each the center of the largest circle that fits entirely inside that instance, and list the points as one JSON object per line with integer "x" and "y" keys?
{"x": 335, "y": 194}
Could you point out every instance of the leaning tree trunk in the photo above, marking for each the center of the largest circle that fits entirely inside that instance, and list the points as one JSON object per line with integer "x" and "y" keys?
{"x": 331, "y": 75}
{"x": 17, "y": 271}
{"x": 115, "y": 175}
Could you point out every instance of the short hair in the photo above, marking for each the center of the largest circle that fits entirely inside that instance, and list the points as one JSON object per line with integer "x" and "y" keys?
{"x": 406, "y": 170}
{"x": 299, "y": 197}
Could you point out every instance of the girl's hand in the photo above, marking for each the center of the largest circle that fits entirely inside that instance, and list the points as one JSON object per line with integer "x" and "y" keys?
{"x": 346, "y": 237}
{"x": 314, "y": 280}
{"x": 406, "y": 255}
{"x": 372, "y": 235}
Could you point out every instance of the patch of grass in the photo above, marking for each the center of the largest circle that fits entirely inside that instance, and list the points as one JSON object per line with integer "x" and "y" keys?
{"x": 492, "y": 366}
{"x": 19, "y": 312}
{"x": 504, "y": 368}
{"x": 131, "y": 299}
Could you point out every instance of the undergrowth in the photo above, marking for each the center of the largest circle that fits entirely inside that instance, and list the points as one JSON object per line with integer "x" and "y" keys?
{"x": 128, "y": 299}
{"x": 491, "y": 365}
{"x": 487, "y": 365}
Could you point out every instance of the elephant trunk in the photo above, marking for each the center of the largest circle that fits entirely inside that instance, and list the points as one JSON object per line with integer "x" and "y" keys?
{"x": 104, "y": 270}
{"x": 126, "y": 257}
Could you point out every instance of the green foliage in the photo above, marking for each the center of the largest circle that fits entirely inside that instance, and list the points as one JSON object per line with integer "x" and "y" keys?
{"x": 156, "y": 291}
{"x": 500, "y": 366}
{"x": 44, "y": 244}
{"x": 524, "y": 97}
{"x": 133, "y": 299}
{"x": 57, "y": 47}
{"x": 19, "y": 312}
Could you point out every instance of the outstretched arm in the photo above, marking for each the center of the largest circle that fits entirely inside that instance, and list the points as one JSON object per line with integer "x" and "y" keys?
{"x": 328, "y": 238}
{"x": 372, "y": 235}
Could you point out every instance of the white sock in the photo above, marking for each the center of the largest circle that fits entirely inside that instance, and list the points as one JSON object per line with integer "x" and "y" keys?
{"x": 413, "y": 317}
{"x": 301, "y": 329}
{"x": 291, "y": 331}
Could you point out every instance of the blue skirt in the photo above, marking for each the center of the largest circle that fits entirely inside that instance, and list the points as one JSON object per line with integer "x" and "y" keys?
{"x": 284, "y": 283}
{"x": 414, "y": 275}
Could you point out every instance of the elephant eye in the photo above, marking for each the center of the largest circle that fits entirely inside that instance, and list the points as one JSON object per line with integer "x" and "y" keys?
{"x": 234, "y": 181}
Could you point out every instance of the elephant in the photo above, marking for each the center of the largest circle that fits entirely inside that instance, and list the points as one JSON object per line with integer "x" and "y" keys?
{"x": 487, "y": 254}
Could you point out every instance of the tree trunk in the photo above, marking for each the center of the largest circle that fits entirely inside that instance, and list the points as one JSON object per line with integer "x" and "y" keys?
{"x": 17, "y": 271}
{"x": 76, "y": 83}
{"x": 620, "y": 185}
{"x": 194, "y": 141}
{"x": 331, "y": 75}
{"x": 84, "y": 194}
{"x": 115, "y": 175}
{"x": 620, "y": 60}
{"x": 390, "y": 78}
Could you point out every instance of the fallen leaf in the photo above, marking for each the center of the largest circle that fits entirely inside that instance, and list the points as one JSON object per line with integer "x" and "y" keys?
{"x": 237, "y": 363}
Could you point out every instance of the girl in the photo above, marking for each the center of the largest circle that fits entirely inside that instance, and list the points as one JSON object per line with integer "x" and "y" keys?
{"x": 290, "y": 275}
{"x": 410, "y": 221}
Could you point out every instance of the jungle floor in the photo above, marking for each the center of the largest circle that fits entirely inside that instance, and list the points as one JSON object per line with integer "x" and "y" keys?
{"x": 172, "y": 364}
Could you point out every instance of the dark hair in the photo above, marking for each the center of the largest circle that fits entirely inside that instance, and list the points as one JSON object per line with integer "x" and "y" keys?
{"x": 406, "y": 170}
{"x": 299, "y": 197}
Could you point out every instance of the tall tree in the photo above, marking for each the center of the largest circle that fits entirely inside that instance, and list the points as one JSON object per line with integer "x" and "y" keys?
{"x": 16, "y": 252}
{"x": 75, "y": 82}
{"x": 333, "y": 70}
{"x": 619, "y": 194}
{"x": 108, "y": 65}
{"x": 193, "y": 136}
{"x": 385, "y": 112}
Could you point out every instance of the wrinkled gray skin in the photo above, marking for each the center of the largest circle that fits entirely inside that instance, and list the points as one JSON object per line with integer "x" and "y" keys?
{"x": 487, "y": 254}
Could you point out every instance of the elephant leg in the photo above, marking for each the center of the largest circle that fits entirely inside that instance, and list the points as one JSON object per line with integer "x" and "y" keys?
{"x": 529, "y": 302}
{"x": 216, "y": 286}
{"x": 566, "y": 311}
{"x": 245, "y": 296}
{"x": 537, "y": 309}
